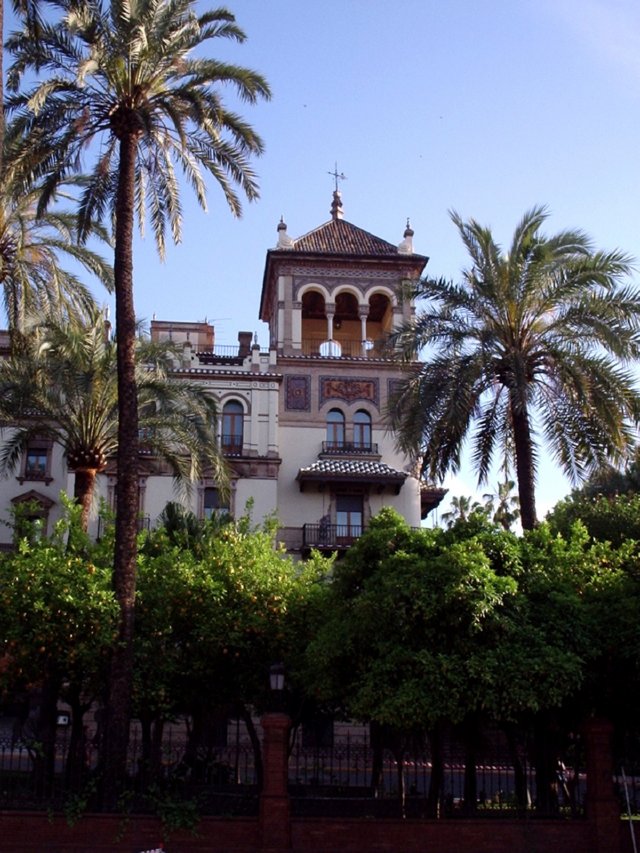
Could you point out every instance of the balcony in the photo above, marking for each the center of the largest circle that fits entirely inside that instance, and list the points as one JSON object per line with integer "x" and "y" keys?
{"x": 330, "y": 537}
{"x": 231, "y": 445}
{"x": 223, "y": 354}
{"x": 349, "y": 448}
{"x": 337, "y": 348}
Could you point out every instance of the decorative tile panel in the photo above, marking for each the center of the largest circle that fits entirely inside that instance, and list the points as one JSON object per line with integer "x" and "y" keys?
{"x": 351, "y": 389}
{"x": 298, "y": 393}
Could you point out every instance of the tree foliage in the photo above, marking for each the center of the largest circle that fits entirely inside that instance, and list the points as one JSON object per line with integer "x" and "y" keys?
{"x": 428, "y": 626}
{"x": 63, "y": 384}
{"x": 532, "y": 347}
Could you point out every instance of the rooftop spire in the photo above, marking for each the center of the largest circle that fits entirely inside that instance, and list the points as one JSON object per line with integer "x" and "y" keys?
{"x": 336, "y": 204}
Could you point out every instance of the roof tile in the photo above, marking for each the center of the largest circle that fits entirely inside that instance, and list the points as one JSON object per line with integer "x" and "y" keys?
{"x": 338, "y": 237}
{"x": 353, "y": 467}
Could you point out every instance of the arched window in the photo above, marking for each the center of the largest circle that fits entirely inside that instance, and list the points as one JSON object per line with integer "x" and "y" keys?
{"x": 362, "y": 430}
{"x": 232, "y": 427}
{"x": 335, "y": 429}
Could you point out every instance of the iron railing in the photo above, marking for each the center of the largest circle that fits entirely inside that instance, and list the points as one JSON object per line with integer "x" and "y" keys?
{"x": 348, "y": 778}
{"x": 231, "y": 445}
{"x": 348, "y": 448}
{"x": 330, "y": 536}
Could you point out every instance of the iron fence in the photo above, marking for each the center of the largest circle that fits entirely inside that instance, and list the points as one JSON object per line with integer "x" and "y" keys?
{"x": 347, "y": 778}
{"x": 219, "y": 780}
{"x": 351, "y": 779}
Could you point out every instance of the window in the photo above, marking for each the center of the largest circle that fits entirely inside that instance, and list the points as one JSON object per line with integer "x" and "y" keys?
{"x": 35, "y": 466}
{"x": 232, "y": 427}
{"x": 348, "y": 517}
{"x": 362, "y": 430}
{"x": 37, "y": 461}
{"x": 31, "y": 514}
{"x": 213, "y": 503}
{"x": 335, "y": 429}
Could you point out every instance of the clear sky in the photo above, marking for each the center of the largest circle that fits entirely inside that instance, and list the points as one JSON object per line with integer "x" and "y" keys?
{"x": 484, "y": 106}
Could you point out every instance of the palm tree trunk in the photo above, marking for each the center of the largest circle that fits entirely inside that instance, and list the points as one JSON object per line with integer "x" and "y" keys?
{"x": 524, "y": 464}
{"x": 85, "y": 480}
{"x": 1, "y": 88}
{"x": 124, "y": 567}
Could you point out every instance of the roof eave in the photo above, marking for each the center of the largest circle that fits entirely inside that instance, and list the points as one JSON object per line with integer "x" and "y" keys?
{"x": 395, "y": 481}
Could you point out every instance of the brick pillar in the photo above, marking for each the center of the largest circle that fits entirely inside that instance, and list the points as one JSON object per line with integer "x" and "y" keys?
{"x": 603, "y": 810}
{"x": 275, "y": 812}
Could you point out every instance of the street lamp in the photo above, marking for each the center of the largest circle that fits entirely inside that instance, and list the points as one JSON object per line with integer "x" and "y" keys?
{"x": 276, "y": 678}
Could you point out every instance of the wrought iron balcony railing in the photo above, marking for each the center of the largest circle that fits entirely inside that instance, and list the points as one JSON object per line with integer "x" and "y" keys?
{"x": 330, "y": 536}
{"x": 231, "y": 445}
{"x": 340, "y": 448}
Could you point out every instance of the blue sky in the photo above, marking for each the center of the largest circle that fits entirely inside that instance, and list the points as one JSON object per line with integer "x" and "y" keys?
{"x": 485, "y": 106}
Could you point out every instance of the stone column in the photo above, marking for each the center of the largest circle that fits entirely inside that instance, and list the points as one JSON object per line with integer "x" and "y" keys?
{"x": 275, "y": 809}
{"x": 330, "y": 310}
{"x": 363, "y": 313}
{"x": 603, "y": 810}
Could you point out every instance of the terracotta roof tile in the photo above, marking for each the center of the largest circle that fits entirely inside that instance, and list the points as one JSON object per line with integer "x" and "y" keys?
{"x": 353, "y": 468}
{"x": 338, "y": 237}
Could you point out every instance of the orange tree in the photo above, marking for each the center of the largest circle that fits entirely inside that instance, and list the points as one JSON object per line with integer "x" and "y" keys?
{"x": 58, "y": 624}
{"x": 427, "y": 629}
{"x": 209, "y": 625}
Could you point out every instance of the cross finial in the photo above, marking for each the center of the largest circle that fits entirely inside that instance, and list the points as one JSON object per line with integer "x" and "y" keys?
{"x": 337, "y": 176}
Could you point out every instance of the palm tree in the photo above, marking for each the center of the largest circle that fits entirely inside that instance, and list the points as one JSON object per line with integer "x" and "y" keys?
{"x": 122, "y": 78}
{"x": 461, "y": 509}
{"x": 65, "y": 387}
{"x": 532, "y": 345}
{"x": 503, "y": 506}
{"x": 31, "y": 278}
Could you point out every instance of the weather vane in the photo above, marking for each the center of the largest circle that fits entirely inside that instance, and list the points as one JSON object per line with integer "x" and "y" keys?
{"x": 337, "y": 176}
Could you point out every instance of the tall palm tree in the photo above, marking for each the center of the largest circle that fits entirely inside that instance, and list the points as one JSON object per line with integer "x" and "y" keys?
{"x": 122, "y": 78}
{"x": 532, "y": 346}
{"x": 64, "y": 386}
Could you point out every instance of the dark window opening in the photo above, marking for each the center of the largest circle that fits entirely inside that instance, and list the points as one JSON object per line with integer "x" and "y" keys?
{"x": 335, "y": 429}
{"x": 349, "y": 516}
{"x": 362, "y": 430}
{"x": 232, "y": 427}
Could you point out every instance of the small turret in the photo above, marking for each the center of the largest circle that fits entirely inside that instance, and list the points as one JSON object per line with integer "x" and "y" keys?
{"x": 284, "y": 241}
{"x": 406, "y": 247}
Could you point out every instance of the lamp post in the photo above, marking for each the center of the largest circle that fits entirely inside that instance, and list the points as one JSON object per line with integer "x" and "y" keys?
{"x": 275, "y": 809}
{"x": 276, "y": 685}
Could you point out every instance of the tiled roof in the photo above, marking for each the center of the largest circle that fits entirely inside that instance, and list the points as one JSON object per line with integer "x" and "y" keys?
{"x": 356, "y": 468}
{"x": 338, "y": 237}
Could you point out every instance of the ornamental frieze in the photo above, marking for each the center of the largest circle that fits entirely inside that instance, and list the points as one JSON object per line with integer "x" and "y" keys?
{"x": 349, "y": 390}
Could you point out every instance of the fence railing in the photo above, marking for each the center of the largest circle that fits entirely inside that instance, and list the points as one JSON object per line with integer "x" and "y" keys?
{"x": 348, "y": 448}
{"x": 334, "y": 536}
{"x": 346, "y": 778}
{"x": 324, "y": 348}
